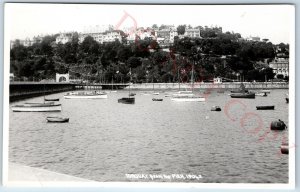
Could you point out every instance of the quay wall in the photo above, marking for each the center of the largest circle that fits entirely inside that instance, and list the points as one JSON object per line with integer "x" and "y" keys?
{"x": 229, "y": 86}
{"x": 22, "y": 90}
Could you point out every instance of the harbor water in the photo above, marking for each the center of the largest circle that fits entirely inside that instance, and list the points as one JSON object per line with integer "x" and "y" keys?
{"x": 107, "y": 141}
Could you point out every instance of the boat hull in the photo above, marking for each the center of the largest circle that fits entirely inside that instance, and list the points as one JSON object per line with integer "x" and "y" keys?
{"x": 54, "y": 108}
{"x": 265, "y": 107}
{"x": 243, "y": 95}
{"x": 57, "y": 120}
{"x": 51, "y": 99}
{"x": 126, "y": 100}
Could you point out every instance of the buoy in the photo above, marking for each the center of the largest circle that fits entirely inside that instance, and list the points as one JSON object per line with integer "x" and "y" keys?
{"x": 216, "y": 108}
{"x": 278, "y": 125}
{"x": 284, "y": 149}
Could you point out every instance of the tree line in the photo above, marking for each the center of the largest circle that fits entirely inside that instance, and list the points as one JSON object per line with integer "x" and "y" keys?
{"x": 219, "y": 55}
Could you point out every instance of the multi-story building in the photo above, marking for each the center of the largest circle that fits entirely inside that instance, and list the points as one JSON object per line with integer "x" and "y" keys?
{"x": 280, "y": 66}
{"x": 105, "y": 37}
{"x": 64, "y": 38}
{"x": 253, "y": 38}
{"x": 192, "y": 32}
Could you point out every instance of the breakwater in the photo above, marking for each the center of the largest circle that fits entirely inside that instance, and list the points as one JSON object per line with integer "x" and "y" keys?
{"x": 23, "y": 90}
{"x": 229, "y": 85}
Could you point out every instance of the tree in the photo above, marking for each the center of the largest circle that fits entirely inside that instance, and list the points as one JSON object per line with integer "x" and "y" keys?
{"x": 154, "y": 26}
{"x": 181, "y": 29}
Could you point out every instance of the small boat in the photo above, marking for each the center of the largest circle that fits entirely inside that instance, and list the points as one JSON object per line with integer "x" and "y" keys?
{"x": 265, "y": 91}
{"x": 248, "y": 95}
{"x": 267, "y": 107}
{"x": 216, "y": 108}
{"x": 188, "y": 98}
{"x": 86, "y": 95}
{"x": 241, "y": 89}
{"x": 132, "y": 94}
{"x": 48, "y": 99}
{"x": 278, "y": 125}
{"x": 284, "y": 148}
{"x": 57, "y": 120}
{"x": 127, "y": 100}
{"x": 145, "y": 93}
{"x": 183, "y": 94}
{"x": 154, "y": 99}
{"x": 287, "y": 98}
{"x": 263, "y": 94}
{"x": 155, "y": 93}
{"x": 37, "y": 107}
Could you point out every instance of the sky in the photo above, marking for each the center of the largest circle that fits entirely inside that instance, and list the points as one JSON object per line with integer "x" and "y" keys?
{"x": 273, "y": 22}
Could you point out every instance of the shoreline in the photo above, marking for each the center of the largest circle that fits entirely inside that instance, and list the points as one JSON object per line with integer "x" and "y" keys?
{"x": 209, "y": 86}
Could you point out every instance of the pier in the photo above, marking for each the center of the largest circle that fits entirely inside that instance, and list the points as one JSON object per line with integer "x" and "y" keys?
{"x": 23, "y": 90}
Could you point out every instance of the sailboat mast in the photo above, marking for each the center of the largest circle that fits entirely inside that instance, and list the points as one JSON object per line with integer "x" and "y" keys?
{"x": 112, "y": 82}
{"x": 178, "y": 79}
{"x": 193, "y": 77}
{"x": 130, "y": 81}
{"x": 44, "y": 93}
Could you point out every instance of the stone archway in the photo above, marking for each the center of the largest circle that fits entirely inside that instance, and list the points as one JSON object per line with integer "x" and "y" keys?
{"x": 63, "y": 77}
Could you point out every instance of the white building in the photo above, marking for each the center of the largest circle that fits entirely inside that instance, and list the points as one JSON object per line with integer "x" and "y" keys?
{"x": 64, "y": 38}
{"x": 193, "y": 33}
{"x": 280, "y": 66}
{"x": 102, "y": 37}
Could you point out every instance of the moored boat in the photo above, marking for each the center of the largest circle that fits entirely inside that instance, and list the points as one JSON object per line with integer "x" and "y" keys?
{"x": 53, "y": 99}
{"x": 216, "y": 108}
{"x": 155, "y": 99}
{"x": 266, "y": 107}
{"x": 261, "y": 94}
{"x": 243, "y": 95}
{"x": 57, "y": 120}
{"x": 278, "y": 125}
{"x": 188, "y": 98}
{"x": 127, "y": 100}
{"x": 241, "y": 89}
{"x": 183, "y": 94}
{"x": 37, "y": 107}
{"x": 86, "y": 95}
{"x": 132, "y": 94}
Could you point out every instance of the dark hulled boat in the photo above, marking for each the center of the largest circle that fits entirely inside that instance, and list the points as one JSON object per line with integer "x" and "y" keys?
{"x": 268, "y": 107}
{"x": 242, "y": 92}
{"x": 127, "y": 100}
{"x": 154, "y": 99}
{"x": 57, "y": 120}
{"x": 243, "y": 95}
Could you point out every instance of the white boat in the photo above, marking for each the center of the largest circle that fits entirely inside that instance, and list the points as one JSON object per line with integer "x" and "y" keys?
{"x": 188, "y": 98}
{"x": 37, "y": 107}
{"x": 265, "y": 91}
{"x": 183, "y": 94}
{"x": 145, "y": 93}
{"x": 86, "y": 95}
{"x": 261, "y": 94}
{"x": 155, "y": 93}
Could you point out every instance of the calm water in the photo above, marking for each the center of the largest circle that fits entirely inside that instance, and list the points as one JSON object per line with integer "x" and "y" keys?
{"x": 105, "y": 140}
